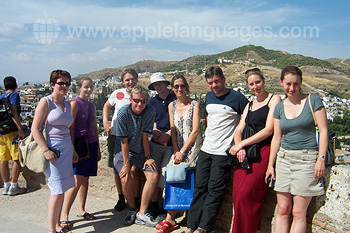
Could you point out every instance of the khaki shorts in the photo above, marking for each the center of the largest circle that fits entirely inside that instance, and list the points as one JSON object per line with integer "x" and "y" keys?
{"x": 8, "y": 151}
{"x": 295, "y": 173}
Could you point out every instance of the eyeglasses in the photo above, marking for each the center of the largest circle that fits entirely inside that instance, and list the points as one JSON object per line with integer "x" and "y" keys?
{"x": 144, "y": 101}
{"x": 63, "y": 83}
{"x": 181, "y": 85}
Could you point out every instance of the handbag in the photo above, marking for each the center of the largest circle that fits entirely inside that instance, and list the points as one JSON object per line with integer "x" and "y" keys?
{"x": 30, "y": 154}
{"x": 176, "y": 173}
{"x": 252, "y": 151}
{"x": 81, "y": 144}
{"x": 178, "y": 196}
{"x": 332, "y": 137}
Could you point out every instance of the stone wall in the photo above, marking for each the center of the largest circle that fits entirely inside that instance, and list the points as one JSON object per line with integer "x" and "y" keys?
{"x": 327, "y": 213}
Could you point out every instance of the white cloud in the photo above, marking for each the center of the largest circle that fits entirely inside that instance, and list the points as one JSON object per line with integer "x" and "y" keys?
{"x": 12, "y": 29}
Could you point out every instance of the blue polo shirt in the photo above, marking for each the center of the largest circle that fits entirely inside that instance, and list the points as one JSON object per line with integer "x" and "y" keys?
{"x": 131, "y": 126}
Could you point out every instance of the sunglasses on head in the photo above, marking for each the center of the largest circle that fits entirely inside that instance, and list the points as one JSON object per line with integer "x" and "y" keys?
{"x": 181, "y": 85}
{"x": 63, "y": 83}
{"x": 252, "y": 70}
{"x": 138, "y": 101}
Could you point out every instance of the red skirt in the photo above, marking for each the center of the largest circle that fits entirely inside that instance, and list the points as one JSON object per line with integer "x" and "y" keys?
{"x": 249, "y": 192}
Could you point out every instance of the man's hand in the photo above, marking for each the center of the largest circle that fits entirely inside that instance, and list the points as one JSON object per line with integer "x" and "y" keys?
{"x": 107, "y": 127}
{"x": 164, "y": 139}
{"x": 125, "y": 173}
{"x": 151, "y": 163}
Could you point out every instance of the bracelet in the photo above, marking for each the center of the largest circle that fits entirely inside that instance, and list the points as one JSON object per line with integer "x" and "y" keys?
{"x": 182, "y": 152}
{"x": 126, "y": 165}
{"x": 46, "y": 150}
{"x": 322, "y": 156}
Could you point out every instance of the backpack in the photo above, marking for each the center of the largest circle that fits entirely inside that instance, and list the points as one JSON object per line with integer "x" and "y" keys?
{"x": 6, "y": 123}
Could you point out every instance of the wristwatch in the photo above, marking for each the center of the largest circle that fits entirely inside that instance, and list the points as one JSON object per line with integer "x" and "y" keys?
{"x": 148, "y": 157}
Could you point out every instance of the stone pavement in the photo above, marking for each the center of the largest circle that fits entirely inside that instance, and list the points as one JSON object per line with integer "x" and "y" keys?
{"x": 27, "y": 213}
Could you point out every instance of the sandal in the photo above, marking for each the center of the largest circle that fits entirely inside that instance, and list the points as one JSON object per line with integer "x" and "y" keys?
{"x": 160, "y": 224}
{"x": 66, "y": 225}
{"x": 168, "y": 227}
{"x": 87, "y": 216}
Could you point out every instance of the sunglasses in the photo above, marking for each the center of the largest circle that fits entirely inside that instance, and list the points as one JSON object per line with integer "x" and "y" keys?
{"x": 178, "y": 86}
{"x": 63, "y": 83}
{"x": 144, "y": 101}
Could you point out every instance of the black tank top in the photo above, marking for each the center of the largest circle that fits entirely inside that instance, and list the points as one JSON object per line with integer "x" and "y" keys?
{"x": 257, "y": 119}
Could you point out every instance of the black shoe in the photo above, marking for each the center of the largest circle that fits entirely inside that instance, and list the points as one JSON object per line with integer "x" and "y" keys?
{"x": 120, "y": 205}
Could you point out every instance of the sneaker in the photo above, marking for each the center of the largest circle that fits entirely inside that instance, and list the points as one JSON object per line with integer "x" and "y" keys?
{"x": 145, "y": 219}
{"x": 130, "y": 218}
{"x": 120, "y": 205}
{"x": 15, "y": 191}
{"x": 6, "y": 190}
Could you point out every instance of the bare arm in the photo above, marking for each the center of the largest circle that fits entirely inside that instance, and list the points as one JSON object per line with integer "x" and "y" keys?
{"x": 73, "y": 112}
{"x": 39, "y": 118}
{"x": 173, "y": 129}
{"x": 321, "y": 119}
{"x": 150, "y": 162}
{"x": 275, "y": 146}
{"x": 125, "y": 171}
{"x": 17, "y": 121}
{"x": 105, "y": 112}
{"x": 97, "y": 137}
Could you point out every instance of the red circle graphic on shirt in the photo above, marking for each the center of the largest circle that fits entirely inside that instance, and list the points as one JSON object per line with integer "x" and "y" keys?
{"x": 120, "y": 95}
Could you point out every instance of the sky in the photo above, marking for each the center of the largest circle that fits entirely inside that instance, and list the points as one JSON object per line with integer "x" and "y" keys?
{"x": 39, "y": 36}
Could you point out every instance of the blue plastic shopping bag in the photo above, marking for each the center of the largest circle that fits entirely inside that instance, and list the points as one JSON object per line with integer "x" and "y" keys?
{"x": 178, "y": 196}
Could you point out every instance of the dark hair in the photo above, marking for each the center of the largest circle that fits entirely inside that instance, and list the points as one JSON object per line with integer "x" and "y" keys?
{"x": 56, "y": 74}
{"x": 291, "y": 70}
{"x": 180, "y": 76}
{"x": 130, "y": 71}
{"x": 80, "y": 81}
{"x": 255, "y": 71}
{"x": 214, "y": 70}
{"x": 10, "y": 83}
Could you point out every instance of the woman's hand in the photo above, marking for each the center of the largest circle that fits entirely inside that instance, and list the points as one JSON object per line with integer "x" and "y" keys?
{"x": 50, "y": 156}
{"x": 235, "y": 148}
{"x": 319, "y": 168}
{"x": 270, "y": 172}
{"x": 178, "y": 157}
{"x": 75, "y": 157}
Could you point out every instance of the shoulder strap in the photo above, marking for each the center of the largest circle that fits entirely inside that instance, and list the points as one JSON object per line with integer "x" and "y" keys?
{"x": 269, "y": 99}
{"x": 311, "y": 109}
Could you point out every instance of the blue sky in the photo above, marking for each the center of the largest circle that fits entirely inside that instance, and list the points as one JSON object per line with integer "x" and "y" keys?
{"x": 37, "y": 37}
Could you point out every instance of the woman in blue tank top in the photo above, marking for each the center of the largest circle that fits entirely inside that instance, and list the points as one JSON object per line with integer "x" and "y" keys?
{"x": 249, "y": 187}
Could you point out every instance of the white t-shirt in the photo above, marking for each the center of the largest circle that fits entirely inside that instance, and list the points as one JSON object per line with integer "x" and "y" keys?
{"x": 118, "y": 99}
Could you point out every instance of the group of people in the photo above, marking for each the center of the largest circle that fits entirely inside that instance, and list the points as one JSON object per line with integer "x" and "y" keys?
{"x": 285, "y": 138}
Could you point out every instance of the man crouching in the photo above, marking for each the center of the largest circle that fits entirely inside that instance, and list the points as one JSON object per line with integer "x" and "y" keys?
{"x": 134, "y": 123}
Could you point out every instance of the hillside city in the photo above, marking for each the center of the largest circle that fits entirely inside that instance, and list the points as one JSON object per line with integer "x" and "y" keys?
{"x": 103, "y": 87}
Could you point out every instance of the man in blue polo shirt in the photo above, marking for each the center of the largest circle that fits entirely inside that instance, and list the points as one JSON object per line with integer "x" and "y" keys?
{"x": 223, "y": 108}
{"x": 133, "y": 124}
{"x": 160, "y": 144}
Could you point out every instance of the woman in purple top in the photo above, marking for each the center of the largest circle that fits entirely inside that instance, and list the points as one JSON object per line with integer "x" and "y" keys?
{"x": 83, "y": 111}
